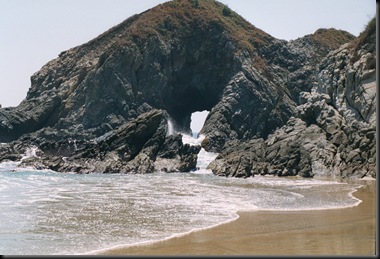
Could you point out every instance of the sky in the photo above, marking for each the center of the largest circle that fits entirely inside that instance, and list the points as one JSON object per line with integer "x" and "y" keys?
{"x": 33, "y": 32}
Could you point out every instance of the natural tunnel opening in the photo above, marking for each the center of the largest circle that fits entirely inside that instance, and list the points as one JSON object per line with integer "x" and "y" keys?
{"x": 197, "y": 121}
{"x": 193, "y": 99}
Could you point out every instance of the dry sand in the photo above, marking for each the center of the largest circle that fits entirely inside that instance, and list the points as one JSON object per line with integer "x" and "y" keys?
{"x": 349, "y": 231}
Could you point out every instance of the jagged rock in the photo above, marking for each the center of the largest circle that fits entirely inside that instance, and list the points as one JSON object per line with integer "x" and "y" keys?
{"x": 239, "y": 159}
{"x": 317, "y": 142}
{"x": 173, "y": 149}
{"x": 351, "y": 86}
{"x": 132, "y": 148}
{"x": 189, "y": 157}
{"x": 300, "y": 58}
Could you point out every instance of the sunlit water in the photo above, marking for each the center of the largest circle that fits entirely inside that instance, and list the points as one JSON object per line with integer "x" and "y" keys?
{"x": 44, "y": 212}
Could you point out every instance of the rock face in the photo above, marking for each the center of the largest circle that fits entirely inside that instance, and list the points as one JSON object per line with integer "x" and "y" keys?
{"x": 104, "y": 106}
{"x": 332, "y": 134}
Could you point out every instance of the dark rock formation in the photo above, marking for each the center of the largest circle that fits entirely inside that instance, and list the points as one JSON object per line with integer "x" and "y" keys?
{"x": 274, "y": 107}
{"x": 333, "y": 131}
{"x": 131, "y": 148}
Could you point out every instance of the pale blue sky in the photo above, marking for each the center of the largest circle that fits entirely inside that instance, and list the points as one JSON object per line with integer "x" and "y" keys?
{"x": 35, "y": 31}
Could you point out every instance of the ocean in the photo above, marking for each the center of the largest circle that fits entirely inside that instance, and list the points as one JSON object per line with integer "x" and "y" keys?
{"x": 51, "y": 213}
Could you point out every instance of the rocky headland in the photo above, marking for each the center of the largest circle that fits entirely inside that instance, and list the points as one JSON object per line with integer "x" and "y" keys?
{"x": 305, "y": 107}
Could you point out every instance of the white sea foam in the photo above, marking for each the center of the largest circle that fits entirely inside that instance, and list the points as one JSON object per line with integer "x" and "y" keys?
{"x": 45, "y": 212}
{"x": 204, "y": 157}
{"x": 13, "y": 166}
{"x": 9, "y": 166}
{"x": 170, "y": 127}
{"x": 30, "y": 152}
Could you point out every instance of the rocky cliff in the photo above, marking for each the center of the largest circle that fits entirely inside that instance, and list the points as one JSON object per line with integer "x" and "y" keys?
{"x": 104, "y": 106}
{"x": 332, "y": 134}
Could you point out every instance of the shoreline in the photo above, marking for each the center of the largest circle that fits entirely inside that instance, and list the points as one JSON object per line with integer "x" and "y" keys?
{"x": 344, "y": 231}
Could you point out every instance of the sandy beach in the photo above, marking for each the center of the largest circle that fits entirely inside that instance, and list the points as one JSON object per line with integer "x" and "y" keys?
{"x": 348, "y": 231}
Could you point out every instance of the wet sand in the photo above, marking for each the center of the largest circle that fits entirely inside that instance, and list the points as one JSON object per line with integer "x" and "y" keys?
{"x": 349, "y": 231}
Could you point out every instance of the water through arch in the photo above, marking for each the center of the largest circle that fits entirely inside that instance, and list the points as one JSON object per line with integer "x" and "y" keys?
{"x": 197, "y": 121}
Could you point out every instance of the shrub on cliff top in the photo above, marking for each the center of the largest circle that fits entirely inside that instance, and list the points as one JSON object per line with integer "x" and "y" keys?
{"x": 368, "y": 36}
{"x": 367, "y": 40}
{"x": 331, "y": 38}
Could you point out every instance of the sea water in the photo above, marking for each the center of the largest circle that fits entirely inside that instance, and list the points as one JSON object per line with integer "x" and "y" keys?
{"x": 50, "y": 213}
